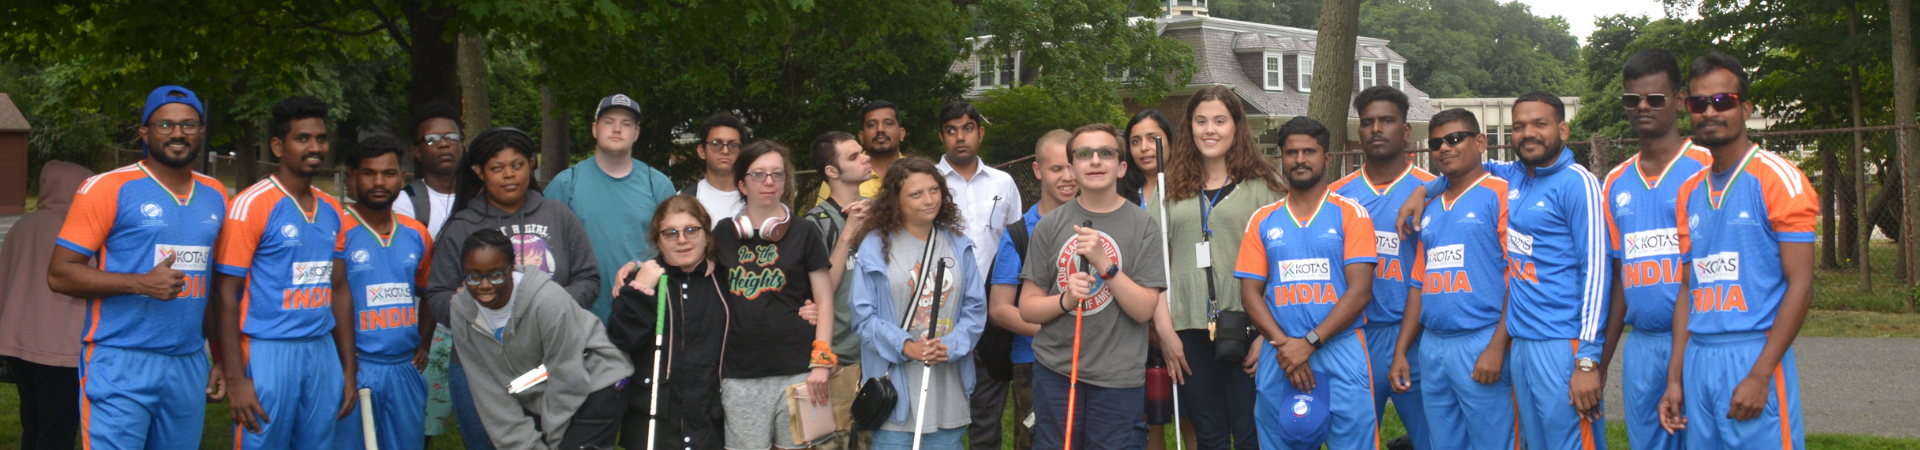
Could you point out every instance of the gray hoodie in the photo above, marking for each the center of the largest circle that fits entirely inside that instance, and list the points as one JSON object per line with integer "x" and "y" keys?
{"x": 547, "y": 328}
{"x": 544, "y": 232}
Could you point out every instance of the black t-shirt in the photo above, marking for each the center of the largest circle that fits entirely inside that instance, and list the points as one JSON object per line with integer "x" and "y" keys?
{"x": 767, "y": 283}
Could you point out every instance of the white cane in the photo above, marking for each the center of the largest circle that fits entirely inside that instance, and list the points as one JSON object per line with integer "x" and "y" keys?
{"x": 659, "y": 332}
{"x": 926, "y": 370}
{"x": 366, "y": 419}
{"x": 1166, "y": 266}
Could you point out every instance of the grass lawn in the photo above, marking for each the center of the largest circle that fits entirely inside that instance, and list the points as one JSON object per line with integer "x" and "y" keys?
{"x": 1839, "y": 289}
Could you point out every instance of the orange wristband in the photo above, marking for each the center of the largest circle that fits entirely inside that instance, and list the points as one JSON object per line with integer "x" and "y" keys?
{"x": 823, "y": 356}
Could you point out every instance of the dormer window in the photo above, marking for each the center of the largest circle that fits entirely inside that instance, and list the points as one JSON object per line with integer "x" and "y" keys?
{"x": 1274, "y": 75}
{"x": 1396, "y": 77}
{"x": 1366, "y": 75}
{"x": 996, "y": 72}
{"x": 1306, "y": 73}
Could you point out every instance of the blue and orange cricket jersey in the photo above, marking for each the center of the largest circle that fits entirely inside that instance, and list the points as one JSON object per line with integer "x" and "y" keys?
{"x": 384, "y": 273}
{"x": 286, "y": 255}
{"x": 1391, "y": 272}
{"x": 128, "y": 222}
{"x": 1645, "y": 237}
{"x": 1461, "y": 263}
{"x": 1737, "y": 278}
{"x": 1303, "y": 260}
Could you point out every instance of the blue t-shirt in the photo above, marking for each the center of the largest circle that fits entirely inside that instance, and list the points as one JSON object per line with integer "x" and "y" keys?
{"x": 1735, "y": 223}
{"x": 1006, "y": 270}
{"x": 286, "y": 255}
{"x": 1645, "y": 237}
{"x": 128, "y": 222}
{"x": 383, "y": 276}
{"x": 1303, "y": 260}
{"x": 617, "y": 213}
{"x": 1460, "y": 262}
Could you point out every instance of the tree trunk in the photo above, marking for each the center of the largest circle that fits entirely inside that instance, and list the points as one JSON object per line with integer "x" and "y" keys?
{"x": 476, "y": 109}
{"x": 430, "y": 55}
{"x": 1333, "y": 83}
{"x": 1829, "y": 171}
{"x": 553, "y": 133}
{"x": 1906, "y": 87}
{"x": 1863, "y": 230}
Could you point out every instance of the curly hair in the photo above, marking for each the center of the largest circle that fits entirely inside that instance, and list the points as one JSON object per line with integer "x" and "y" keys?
{"x": 887, "y": 217}
{"x": 1186, "y": 168}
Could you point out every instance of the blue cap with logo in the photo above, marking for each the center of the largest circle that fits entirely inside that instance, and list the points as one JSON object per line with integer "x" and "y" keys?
{"x": 163, "y": 95}
{"x": 1303, "y": 414}
{"x": 616, "y": 101}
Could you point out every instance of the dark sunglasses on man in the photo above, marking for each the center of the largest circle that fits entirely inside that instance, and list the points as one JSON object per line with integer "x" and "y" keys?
{"x": 1632, "y": 101}
{"x": 1451, "y": 139}
{"x": 1721, "y": 102}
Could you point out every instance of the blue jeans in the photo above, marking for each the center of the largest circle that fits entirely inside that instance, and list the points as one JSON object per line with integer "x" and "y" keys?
{"x": 1218, "y": 397}
{"x": 947, "y": 439}
{"x": 472, "y": 431}
{"x": 1107, "y": 419}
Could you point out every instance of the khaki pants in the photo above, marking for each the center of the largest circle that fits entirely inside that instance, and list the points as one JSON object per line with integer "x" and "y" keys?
{"x": 844, "y": 385}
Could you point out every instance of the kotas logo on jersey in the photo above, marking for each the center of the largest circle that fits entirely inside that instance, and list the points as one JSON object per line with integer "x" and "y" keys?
{"x": 186, "y": 258}
{"x": 315, "y": 272}
{"x": 1447, "y": 257}
{"x": 1386, "y": 243}
{"x": 1518, "y": 242}
{"x": 1309, "y": 269}
{"x": 1657, "y": 242}
{"x": 1723, "y": 266}
{"x": 387, "y": 294}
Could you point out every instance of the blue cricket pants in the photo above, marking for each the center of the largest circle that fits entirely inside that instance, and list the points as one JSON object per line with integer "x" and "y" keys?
{"x": 136, "y": 399}
{"x": 1715, "y": 364}
{"x": 300, "y": 387}
{"x": 399, "y": 405}
{"x": 1344, "y": 361}
{"x": 1381, "y": 339}
{"x": 1480, "y": 415}
{"x": 1542, "y": 373}
{"x": 1643, "y": 380}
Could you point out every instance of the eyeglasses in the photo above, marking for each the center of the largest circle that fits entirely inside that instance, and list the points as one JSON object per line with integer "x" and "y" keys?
{"x": 473, "y": 279}
{"x": 1632, "y": 101}
{"x": 1721, "y": 102}
{"x": 1451, "y": 139}
{"x": 762, "y": 177}
{"x": 676, "y": 234}
{"x": 728, "y": 146}
{"x": 434, "y": 139}
{"x": 969, "y": 128}
{"x": 190, "y": 127}
{"x": 1107, "y": 153}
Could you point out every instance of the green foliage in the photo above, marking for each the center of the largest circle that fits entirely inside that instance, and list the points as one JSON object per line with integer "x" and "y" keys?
{"x": 1020, "y": 114}
{"x": 1614, "y": 39}
{"x": 1080, "y": 45}
{"x": 1289, "y": 13}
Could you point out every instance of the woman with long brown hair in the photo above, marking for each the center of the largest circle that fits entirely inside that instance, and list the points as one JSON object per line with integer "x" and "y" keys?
{"x": 911, "y": 322}
{"x": 1216, "y": 179}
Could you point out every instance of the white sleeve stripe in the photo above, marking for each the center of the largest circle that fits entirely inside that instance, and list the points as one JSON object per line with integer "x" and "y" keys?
{"x": 1786, "y": 176}
{"x": 1594, "y": 287}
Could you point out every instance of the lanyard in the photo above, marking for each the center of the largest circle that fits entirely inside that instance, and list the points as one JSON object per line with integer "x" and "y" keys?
{"x": 392, "y": 226}
{"x": 1206, "y": 209}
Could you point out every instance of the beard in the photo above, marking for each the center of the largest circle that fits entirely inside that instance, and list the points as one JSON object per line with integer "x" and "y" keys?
{"x": 1700, "y": 137}
{"x": 1552, "y": 152}
{"x": 1301, "y": 184}
{"x": 193, "y": 152}
{"x": 379, "y": 205}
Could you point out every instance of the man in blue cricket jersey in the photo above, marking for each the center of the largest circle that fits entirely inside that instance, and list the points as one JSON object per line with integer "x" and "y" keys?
{"x": 1458, "y": 293}
{"x": 381, "y": 258}
{"x": 1645, "y": 243}
{"x": 1557, "y": 279}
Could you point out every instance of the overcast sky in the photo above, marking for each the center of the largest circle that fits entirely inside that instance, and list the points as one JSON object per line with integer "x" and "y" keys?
{"x": 1580, "y": 13}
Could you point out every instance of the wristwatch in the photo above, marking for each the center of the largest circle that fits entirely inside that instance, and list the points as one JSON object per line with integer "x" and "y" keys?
{"x": 1112, "y": 270}
{"x": 1586, "y": 364}
{"x": 1313, "y": 339}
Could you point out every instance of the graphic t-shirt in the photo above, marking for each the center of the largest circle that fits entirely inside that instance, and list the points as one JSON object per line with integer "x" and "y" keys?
{"x": 949, "y": 407}
{"x": 1645, "y": 236}
{"x": 384, "y": 273}
{"x": 1303, "y": 260}
{"x": 767, "y": 283}
{"x": 1382, "y": 202}
{"x": 1113, "y": 347}
{"x": 128, "y": 222}
{"x": 1460, "y": 262}
{"x": 286, "y": 255}
{"x": 1735, "y": 223}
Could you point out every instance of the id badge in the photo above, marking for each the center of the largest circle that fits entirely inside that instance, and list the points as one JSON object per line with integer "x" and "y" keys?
{"x": 1202, "y": 256}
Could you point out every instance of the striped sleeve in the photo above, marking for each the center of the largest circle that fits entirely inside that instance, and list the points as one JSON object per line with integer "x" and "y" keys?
{"x": 1587, "y": 222}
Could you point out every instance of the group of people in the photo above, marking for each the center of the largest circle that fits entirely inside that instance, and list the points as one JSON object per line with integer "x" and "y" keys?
{"x": 916, "y": 299}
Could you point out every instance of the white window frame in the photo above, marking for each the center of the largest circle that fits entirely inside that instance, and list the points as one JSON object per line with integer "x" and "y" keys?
{"x": 1366, "y": 74}
{"x": 1397, "y": 76}
{"x": 1305, "y": 75}
{"x": 987, "y": 71}
{"x": 1274, "y": 72}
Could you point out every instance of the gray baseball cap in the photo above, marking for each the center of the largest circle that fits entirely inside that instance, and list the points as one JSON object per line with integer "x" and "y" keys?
{"x": 621, "y": 101}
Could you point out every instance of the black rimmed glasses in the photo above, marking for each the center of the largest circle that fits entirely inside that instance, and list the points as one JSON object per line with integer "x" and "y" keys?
{"x": 190, "y": 127}
{"x": 473, "y": 279}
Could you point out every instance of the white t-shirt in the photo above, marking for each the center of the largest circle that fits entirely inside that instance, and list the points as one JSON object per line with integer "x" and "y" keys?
{"x": 987, "y": 203}
{"x": 442, "y": 205}
{"x": 497, "y": 318}
{"x": 720, "y": 204}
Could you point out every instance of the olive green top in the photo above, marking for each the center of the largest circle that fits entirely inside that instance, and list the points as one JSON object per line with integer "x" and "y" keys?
{"x": 1187, "y": 295}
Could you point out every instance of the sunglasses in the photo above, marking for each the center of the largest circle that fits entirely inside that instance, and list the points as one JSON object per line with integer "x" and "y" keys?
{"x": 1721, "y": 102}
{"x": 1106, "y": 153}
{"x": 1452, "y": 139}
{"x": 1632, "y": 101}
{"x": 434, "y": 139}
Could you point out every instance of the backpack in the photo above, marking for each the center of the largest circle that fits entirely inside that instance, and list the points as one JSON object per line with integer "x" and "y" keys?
{"x": 995, "y": 350}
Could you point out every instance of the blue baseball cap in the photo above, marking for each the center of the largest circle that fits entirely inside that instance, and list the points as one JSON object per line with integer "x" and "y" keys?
{"x": 1303, "y": 414}
{"x": 169, "y": 94}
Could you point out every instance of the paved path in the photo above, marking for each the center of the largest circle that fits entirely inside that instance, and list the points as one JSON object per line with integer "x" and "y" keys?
{"x": 1847, "y": 386}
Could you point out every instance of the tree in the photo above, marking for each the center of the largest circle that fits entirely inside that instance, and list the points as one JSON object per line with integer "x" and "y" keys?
{"x": 1906, "y": 92}
{"x": 1333, "y": 84}
{"x": 1090, "y": 52}
{"x": 1019, "y": 115}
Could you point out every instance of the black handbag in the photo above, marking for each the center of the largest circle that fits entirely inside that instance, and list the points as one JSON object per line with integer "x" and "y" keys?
{"x": 877, "y": 397}
{"x": 1230, "y": 338}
